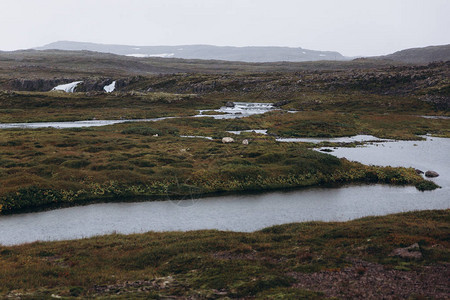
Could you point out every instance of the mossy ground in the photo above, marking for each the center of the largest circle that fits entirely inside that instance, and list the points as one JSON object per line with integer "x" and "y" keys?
{"x": 47, "y": 167}
{"x": 215, "y": 264}
{"x": 50, "y": 167}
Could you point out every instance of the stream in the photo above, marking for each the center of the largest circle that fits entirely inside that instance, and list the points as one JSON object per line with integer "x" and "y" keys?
{"x": 247, "y": 212}
{"x": 251, "y": 212}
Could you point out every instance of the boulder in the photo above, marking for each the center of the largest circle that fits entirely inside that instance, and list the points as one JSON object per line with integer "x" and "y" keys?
{"x": 418, "y": 171}
{"x": 227, "y": 140}
{"x": 431, "y": 174}
{"x": 245, "y": 142}
{"x": 229, "y": 104}
{"x": 412, "y": 251}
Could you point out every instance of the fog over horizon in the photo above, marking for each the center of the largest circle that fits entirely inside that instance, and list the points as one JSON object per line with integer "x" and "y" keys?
{"x": 351, "y": 27}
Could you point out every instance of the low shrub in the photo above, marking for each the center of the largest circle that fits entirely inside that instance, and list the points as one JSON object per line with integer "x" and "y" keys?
{"x": 426, "y": 185}
{"x": 76, "y": 163}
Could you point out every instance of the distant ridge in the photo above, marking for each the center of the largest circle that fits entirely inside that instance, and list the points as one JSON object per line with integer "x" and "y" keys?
{"x": 228, "y": 53}
{"x": 420, "y": 55}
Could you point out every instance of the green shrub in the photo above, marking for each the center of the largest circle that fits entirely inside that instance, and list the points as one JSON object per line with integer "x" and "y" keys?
{"x": 76, "y": 291}
{"x": 76, "y": 163}
{"x": 141, "y": 130}
{"x": 143, "y": 163}
{"x": 426, "y": 185}
{"x": 272, "y": 157}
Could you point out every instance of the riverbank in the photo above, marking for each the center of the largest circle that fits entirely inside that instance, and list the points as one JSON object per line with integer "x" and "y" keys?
{"x": 314, "y": 259}
{"x": 50, "y": 167}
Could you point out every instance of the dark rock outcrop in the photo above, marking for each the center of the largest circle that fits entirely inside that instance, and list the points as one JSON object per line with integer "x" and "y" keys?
{"x": 281, "y": 103}
{"x": 431, "y": 174}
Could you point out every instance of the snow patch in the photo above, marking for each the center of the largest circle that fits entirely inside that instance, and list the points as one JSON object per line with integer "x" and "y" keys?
{"x": 68, "y": 87}
{"x": 137, "y": 55}
{"x": 163, "y": 55}
{"x": 322, "y": 55}
{"x": 110, "y": 88}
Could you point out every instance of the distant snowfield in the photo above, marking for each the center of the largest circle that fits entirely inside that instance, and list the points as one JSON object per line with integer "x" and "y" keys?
{"x": 163, "y": 55}
{"x": 110, "y": 88}
{"x": 68, "y": 87}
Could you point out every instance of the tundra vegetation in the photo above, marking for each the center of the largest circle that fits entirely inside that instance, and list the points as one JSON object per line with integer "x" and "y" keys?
{"x": 313, "y": 260}
{"x": 47, "y": 167}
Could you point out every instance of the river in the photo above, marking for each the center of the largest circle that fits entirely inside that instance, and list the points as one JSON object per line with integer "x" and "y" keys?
{"x": 251, "y": 212}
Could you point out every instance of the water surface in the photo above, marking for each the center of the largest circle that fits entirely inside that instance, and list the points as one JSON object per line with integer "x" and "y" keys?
{"x": 240, "y": 110}
{"x": 251, "y": 212}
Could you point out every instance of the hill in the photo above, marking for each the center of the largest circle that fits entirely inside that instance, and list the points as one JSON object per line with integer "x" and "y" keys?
{"x": 242, "y": 54}
{"x": 50, "y": 64}
{"x": 421, "y": 55}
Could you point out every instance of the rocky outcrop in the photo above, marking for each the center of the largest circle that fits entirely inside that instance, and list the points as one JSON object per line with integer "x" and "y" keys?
{"x": 431, "y": 174}
{"x": 45, "y": 85}
{"x": 281, "y": 103}
{"x": 412, "y": 251}
{"x": 38, "y": 85}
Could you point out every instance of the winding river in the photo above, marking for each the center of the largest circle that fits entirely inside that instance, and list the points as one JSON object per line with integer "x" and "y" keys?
{"x": 247, "y": 212}
{"x": 250, "y": 212}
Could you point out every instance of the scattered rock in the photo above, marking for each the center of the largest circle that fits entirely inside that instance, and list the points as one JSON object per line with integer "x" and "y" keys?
{"x": 227, "y": 140}
{"x": 245, "y": 142}
{"x": 366, "y": 280}
{"x": 281, "y": 103}
{"x": 326, "y": 150}
{"x": 412, "y": 251}
{"x": 431, "y": 174}
{"x": 229, "y": 104}
{"x": 155, "y": 135}
{"x": 418, "y": 171}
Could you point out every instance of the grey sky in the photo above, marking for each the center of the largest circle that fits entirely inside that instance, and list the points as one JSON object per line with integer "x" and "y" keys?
{"x": 352, "y": 27}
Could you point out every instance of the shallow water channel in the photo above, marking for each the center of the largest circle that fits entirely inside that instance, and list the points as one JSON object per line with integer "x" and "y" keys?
{"x": 251, "y": 212}
{"x": 239, "y": 110}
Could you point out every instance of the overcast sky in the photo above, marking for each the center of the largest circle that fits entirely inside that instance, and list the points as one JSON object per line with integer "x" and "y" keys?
{"x": 352, "y": 27}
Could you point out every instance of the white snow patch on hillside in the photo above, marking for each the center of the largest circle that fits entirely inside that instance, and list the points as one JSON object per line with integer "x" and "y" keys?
{"x": 322, "y": 55}
{"x": 163, "y": 55}
{"x": 137, "y": 55}
{"x": 68, "y": 87}
{"x": 110, "y": 87}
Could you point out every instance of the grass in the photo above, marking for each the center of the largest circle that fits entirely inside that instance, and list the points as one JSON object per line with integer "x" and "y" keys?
{"x": 216, "y": 263}
{"x": 58, "y": 106}
{"x": 51, "y": 167}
